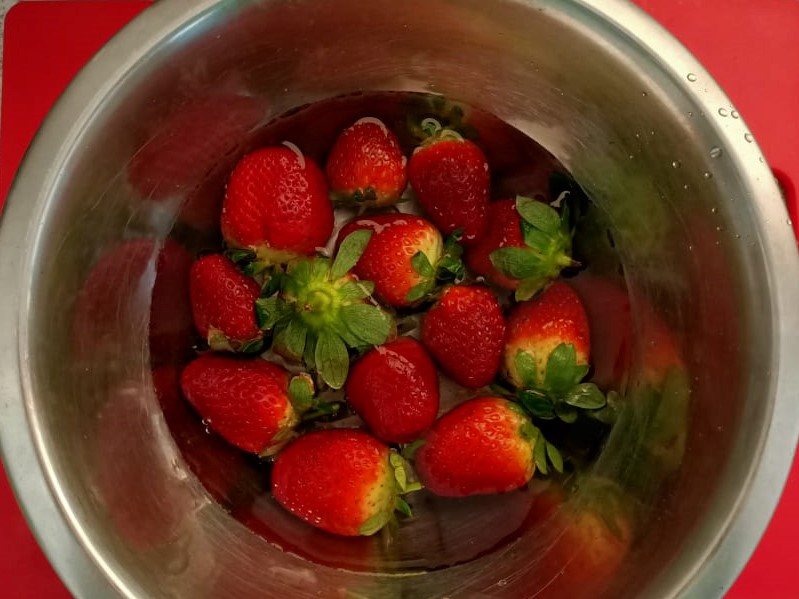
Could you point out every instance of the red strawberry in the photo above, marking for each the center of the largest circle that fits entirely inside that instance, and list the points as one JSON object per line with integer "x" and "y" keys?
{"x": 451, "y": 180}
{"x": 389, "y": 259}
{"x": 366, "y": 164}
{"x": 484, "y": 445}
{"x": 223, "y": 303}
{"x": 504, "y": 230}
{"x": 394, "y": 388}
{"x": 465, "y": 332}
{"x": 526, "y": 245}
{"x": 276, "y": 203}
{"x": 536, "y": 329}
{"x": 246, "y": 401}
{"x": 343, "y": 481}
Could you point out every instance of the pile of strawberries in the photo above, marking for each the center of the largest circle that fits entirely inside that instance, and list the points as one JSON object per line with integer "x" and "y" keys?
{"x": 375, "y": 277}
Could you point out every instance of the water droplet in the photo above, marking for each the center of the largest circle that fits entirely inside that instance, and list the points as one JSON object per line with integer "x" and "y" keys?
{"x": 714, "y": 210}
{"x": 734, "y": 114}
{"x": 789, "y": 222}
{"x": 631, "y": 156}
{"x": 690, "y": 114}
{"x": 637, "y": 136}
{"x": 723, "y": 112}
{"x": 748, "y": 137}
{"x": 676, "y": 164}
{"x": 707, "y": 175}
{"x": 691, "y": 77}
{"x": 715, "y": 152}
{"x": 760, "y": 159}
{"x": 690, "y": 248}
{"x": 686, "y": 186}
{"x": 652, "y": 132}
{"x": 737, "y": 236}
{"x": 644, "y": 94}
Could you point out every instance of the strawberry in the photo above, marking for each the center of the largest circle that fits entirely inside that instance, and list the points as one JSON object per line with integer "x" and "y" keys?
{"x": 465, "y": 333}
{"x": 394, "y": 389}
{"x": 451, "y": 180}
{"x": 276, "y": 203}
{"x": 537, "y": 327}
{"x": 316, "y": 310}
{"x": 341, "y": 480}
{"x": 484, "y": 445}
{"x": 223, "y": 304}
{"x": 404, "y": 256}
{"x": 248, "y": 402}
{"x": 366, "y": 164}
{"x": 526, "y": 246}
{"x": 504, "y": 230}
{"x": 547, "y": 355}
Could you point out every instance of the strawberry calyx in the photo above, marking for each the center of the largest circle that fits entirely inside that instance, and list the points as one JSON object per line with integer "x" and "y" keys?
{"x": 561, "y": 393}
{"x": 545, "y": 454}
{"x": 305, "y": 403}
{"x": 403, "y": 485}
{"x": 433, "y": 132}
{"x": 447, "y": 269}
{"x": 547, "y": 236}
{"x": 218, "y": 341}
{"x": 316, "y": 311}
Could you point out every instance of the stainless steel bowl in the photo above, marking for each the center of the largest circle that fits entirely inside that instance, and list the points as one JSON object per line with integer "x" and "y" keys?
{"x": 697, "y": 220}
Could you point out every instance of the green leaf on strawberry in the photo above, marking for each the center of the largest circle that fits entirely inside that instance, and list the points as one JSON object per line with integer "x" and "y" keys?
{"x": 349, "y": 252}
{"x": 331, "y": 358}
{"x": 368, "y": 323}
{"x": 562, "y": 371}
{"x": 586, "y": 396}
{"x": 547, "y": 236}
{"x": 448, "y": 268}
{"x": 301, "y": 392}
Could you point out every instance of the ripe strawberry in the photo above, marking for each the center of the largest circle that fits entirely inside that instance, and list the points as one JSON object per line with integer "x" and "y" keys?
{"x": 526, "y": 245}
{"x": 366, "y": 164}
{"x": 541, "y": 328}
{"x": 484, "y": 445}
{"x": 504, "y": 230}
{"x": 451, "y": 180}
{"x": 394, "y": 389}
{"x": 465, "y": 333}
{"x": 343, "y": 481}
{"x": 223, "y": 304}
{"x": 401, "y": 257}
{"x": 248, "y": 402}
{"x": 277, "y": 204}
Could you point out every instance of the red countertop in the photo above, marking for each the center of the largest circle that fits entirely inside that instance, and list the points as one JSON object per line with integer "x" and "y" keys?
{"x": 749, "y": 47}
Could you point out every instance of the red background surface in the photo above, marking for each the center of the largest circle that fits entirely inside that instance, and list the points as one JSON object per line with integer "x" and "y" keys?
{"x": 749, "y": 47}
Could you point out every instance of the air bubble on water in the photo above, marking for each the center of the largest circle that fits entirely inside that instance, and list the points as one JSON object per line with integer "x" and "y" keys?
{"x": 691, "y": 77}
{"x": 748, "y": 137}
{"x": 723, "y": 112}
{"x": 676, "y": 164}
{"x": 707, "y": 175}
{"x": 734, "y": 114}
{"x": 715, "y": 152}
